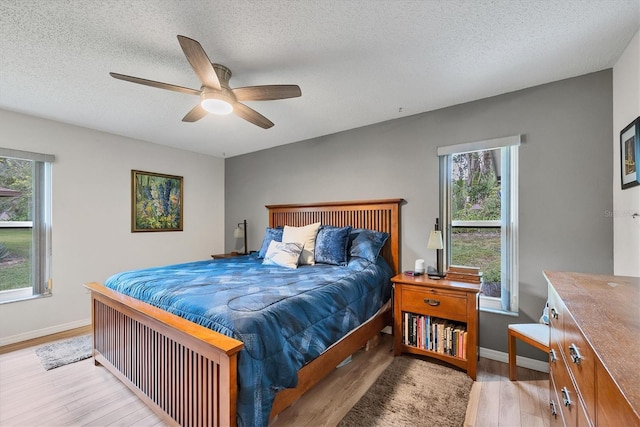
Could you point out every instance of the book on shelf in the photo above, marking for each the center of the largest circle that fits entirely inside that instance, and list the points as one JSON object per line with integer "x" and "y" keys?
{"x": 434, "y": 334}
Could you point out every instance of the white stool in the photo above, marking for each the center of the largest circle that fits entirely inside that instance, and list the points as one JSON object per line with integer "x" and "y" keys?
{"x": 535, "y": 334}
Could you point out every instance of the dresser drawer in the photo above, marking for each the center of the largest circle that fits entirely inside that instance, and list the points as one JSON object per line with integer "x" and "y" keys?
{"x": 434, "y": 302}
{"x": 556, "y": 316}
{"x": 554, "y": 404}
{"x": 555, "y": 356}
{"x": 581, "y": 361}
{"x": 568, "y": 400}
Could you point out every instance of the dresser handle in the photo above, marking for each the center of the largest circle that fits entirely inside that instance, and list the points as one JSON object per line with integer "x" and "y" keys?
{"x": 552, "y": 355}
{"x": 554, "y": 313}
{"x": 575, "y": 354}
{"x": 433, "y": 302}
{"x": 554, "y": 411}
{"x": 565, "y": 397}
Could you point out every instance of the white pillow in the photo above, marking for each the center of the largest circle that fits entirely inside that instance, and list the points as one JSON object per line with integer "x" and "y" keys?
{"x": 305, "y": 235}
{"x": 283, "y": 254}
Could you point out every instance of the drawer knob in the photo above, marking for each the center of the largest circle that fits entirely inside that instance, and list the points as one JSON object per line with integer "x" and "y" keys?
{"x": 432, "y": 302}
{"x": 566, "y": 400}
{"x": 554, "y": 313}
{"x": 552, "y": 405}
{"x": 575, "y": 354}
{"x": 552, "y": 355}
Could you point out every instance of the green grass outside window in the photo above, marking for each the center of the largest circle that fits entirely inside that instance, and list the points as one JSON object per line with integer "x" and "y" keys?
{"x": 15, "y": 259}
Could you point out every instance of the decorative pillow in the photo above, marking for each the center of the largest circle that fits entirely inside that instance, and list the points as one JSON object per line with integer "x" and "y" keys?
{"x": 305, "y": 235}
{"x": 354, "y": 233}
{"x": 283, "y": 254}
{"x": 368, "y": 244}
{"x": 331, "y": 245}
{"x": 269, "y": 235}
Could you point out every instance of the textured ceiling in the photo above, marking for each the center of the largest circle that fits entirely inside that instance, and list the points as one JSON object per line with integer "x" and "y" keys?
{"x": 357, "y": 62}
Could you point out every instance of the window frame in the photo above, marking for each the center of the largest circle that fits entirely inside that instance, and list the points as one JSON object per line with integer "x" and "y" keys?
{"x": 509, "y": 302}
{"x": 41, "y": 249}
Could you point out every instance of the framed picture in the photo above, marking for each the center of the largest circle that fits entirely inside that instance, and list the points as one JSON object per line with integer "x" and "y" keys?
{"x": 629, "y": 150}
{"x": 156, "y": 202}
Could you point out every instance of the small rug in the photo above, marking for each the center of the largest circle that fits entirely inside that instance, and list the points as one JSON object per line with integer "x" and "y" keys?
{"x": 62, "y": 353}
{"x": 413, "y": 392}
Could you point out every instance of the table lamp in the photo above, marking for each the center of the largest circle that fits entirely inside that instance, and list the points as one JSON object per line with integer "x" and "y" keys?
{"x": 241, "y": 233}
{"x": 435, "y": 242}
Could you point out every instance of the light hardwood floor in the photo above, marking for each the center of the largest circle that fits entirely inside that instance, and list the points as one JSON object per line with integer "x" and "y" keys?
{"x": 84, "y": 394}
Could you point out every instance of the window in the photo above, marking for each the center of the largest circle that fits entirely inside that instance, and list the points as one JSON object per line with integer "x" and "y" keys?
{"x": 25, "y": 225}
{"x": 479, "y": 211}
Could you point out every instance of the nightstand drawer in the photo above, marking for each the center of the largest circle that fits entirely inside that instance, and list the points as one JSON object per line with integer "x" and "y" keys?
{"x": 434, "y": 301}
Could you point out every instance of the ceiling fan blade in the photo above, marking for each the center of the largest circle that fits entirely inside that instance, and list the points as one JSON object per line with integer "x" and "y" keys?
{"x": 251, "y": 115}
{"x": 152, "y": 83}
{"x": 200, "y": 62}
{"x": 267, "y": 93}
{"x": 195, "y": 114}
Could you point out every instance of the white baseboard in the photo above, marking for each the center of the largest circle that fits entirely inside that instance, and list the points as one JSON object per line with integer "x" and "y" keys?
{"x": 43, "y": 332}
{"x": 525, "y": 362}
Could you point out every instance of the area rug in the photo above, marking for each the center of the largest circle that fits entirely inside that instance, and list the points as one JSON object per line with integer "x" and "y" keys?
{"x": 413, "y": 392}
{"x": 62, "y": 353}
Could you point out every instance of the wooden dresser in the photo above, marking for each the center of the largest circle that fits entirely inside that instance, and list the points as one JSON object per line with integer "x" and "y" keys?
{"x": 594, "y": 361}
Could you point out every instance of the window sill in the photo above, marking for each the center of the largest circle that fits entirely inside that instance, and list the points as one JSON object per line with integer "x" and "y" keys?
{"x": 494, "y": 305}
{"x": 22, "y": 294}
{"x": 496, "y": 311}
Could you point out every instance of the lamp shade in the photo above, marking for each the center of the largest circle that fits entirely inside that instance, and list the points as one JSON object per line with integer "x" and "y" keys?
{"x": 435, "y": 240}
{"x": 238, "y": 233}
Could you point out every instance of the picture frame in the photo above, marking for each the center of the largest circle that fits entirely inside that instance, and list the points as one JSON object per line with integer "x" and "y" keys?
{"x": 629, "y": 152}
{"x": 156, "y": 202}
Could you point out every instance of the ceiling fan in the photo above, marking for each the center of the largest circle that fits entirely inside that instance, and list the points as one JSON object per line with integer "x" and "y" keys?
{"x": 215, "y": 94}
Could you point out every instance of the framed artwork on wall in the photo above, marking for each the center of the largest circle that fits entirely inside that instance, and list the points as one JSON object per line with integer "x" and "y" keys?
{"x": 156, "y": 202}
{"x": 629, "y": 151}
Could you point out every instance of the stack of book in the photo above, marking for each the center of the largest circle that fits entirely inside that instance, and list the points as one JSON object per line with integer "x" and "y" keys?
{"x": 434, "y": 334}
{"x": 461, "y": 273}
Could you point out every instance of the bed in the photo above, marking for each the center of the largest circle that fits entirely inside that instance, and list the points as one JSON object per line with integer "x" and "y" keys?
{"x": 188, "y": 373}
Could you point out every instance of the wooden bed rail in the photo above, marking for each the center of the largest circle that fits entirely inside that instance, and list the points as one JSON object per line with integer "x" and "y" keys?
{"x": 184, "y": 371}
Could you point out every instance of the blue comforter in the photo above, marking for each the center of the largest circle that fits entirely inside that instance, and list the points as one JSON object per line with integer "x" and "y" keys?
{"x": 285, "y": 317}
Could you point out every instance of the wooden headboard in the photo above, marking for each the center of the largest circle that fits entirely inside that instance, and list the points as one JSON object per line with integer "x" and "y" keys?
{"x": 381, "y": 215}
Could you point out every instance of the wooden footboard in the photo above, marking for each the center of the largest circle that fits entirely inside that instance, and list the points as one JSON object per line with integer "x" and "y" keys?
{"x": 185, "y": 372}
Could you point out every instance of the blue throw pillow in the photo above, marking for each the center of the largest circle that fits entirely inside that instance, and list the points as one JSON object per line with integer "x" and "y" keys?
{"x": 331, "y": 245}
{"x": 368, "y": 244}
{"x": 355, "y": 232}
{"x": 269, "y": 235}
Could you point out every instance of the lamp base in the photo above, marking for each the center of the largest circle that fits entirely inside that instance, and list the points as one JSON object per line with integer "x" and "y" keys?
{"x": 435, "y": 274}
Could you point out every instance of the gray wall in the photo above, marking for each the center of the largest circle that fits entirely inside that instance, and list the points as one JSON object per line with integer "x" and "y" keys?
{"x": 565, "y": 180}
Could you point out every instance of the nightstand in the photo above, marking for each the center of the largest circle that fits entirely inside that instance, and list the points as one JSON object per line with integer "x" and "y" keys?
{"x": 436, "y": 318}
{"x": 229, "y": 255}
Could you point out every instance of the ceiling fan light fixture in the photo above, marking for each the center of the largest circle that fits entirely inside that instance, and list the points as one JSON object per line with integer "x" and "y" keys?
{"x": 216, "y": 103}
{"x": 216, "y": 96}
